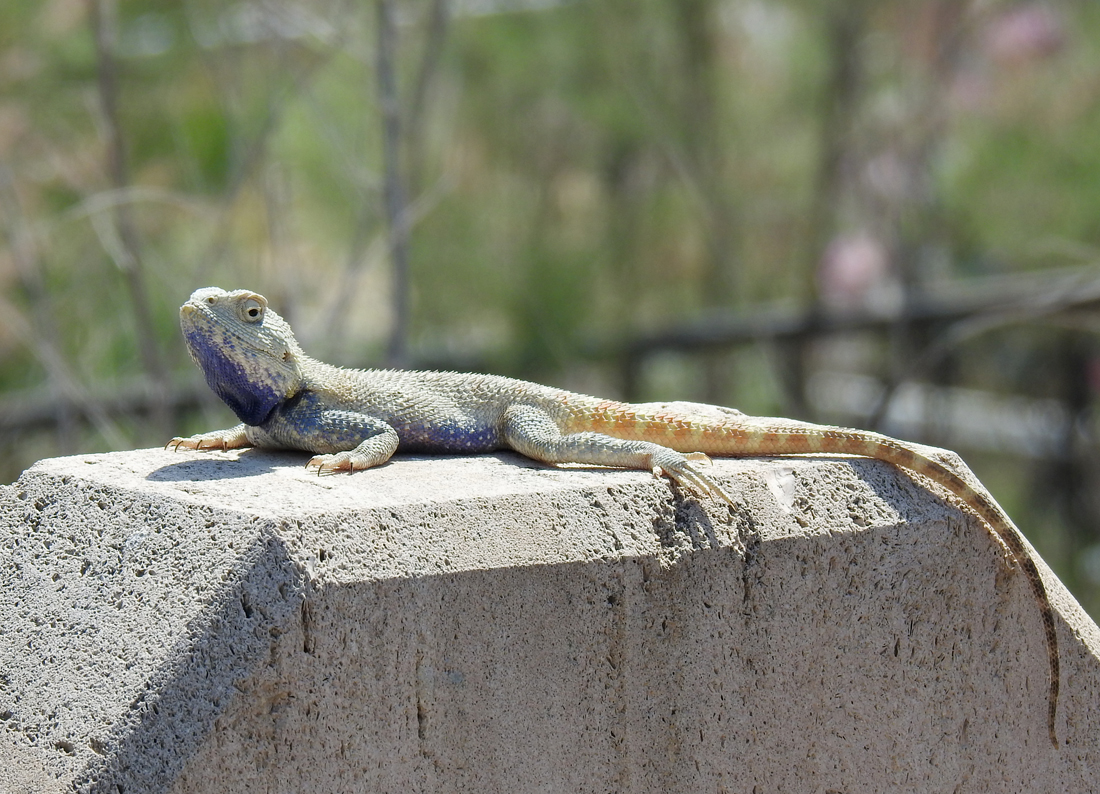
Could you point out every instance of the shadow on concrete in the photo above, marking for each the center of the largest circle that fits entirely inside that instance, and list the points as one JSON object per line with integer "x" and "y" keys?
{"x": 246, "y": 463}
{"x": 167, "y": 722}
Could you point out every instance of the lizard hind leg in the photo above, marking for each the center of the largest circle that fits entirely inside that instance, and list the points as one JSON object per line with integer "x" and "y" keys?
{"x": 373, "y": 451}
{"x": 532, "y": 432}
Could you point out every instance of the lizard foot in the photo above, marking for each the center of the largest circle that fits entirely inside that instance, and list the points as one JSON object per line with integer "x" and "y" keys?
{"x": 338, "y": 462}
{"x": 375, "y": 451}
{"x": 224, "y": 440}
{"x": 683, "y": 472}
{"x": 331, "y": 464}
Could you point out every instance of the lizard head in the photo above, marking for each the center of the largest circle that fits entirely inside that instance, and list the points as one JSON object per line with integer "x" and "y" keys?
{"x": 247, "y": 352}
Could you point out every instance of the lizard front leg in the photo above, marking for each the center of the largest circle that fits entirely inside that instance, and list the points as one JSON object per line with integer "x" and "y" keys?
{"x": 531, "y": 432}
{"x": 343, "y": 440}
{"x": 233, "y": 438}
{"x": 375, "y": 451}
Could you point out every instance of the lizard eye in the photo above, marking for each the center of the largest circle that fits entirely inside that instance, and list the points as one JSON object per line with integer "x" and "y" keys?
{"x": 252, "y": 310}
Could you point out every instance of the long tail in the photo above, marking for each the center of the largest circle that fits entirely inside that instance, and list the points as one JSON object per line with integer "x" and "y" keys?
{"x": 732, "y": 438}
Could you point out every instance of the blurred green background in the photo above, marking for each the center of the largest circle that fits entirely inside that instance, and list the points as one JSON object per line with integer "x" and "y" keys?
{"x": 883, "y": 214}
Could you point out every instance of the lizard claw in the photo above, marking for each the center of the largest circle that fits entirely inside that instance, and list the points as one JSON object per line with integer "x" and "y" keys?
{"x": 679, "y": 467}
{"x": 365, "y": 456}
{"x": 224, "y": 440}
{"x": 197, "y": 443}
{"x": 331, "y": 464}
{"x": 705, "y": 484}
{"x": 319, "y": 461}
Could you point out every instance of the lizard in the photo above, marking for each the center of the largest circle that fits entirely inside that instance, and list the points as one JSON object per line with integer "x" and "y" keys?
{"x": 354, "y": 419}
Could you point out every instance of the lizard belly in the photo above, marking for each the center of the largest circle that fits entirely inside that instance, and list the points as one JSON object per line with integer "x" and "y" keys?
{"x": 455, "y": 436}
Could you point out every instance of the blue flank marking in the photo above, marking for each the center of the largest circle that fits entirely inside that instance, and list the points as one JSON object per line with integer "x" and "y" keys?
{"x": 303, "y": 422}
{"x": 449, "y": 436}
{"x": 251, "y": 402}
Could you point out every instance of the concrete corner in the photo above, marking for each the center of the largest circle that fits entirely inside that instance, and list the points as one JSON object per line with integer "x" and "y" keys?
{"x": 220, "y": 622}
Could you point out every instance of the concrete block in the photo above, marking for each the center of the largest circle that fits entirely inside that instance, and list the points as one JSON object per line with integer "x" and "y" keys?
{"x": 223, "y": 622}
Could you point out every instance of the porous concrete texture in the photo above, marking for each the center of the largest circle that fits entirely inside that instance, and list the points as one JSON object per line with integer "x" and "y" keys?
{"x": 212, "y": 622}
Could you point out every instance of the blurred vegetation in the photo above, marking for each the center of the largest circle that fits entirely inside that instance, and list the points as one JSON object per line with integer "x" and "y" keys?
{"x": 530, "y": 187}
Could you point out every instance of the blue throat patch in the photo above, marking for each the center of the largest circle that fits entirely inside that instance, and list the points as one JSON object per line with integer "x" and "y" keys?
{"x": 252, "y": 402}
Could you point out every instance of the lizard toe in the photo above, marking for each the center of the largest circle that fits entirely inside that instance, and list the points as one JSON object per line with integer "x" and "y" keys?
{"x": 332, "y": 464}
{"x": 680, "y": 468}
{"x": 223, "y": 440}
{"x": 320, "y": 461}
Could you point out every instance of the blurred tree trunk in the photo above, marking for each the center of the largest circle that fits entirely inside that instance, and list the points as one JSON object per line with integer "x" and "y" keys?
{"x": 121, "y": 237}
{"x": 708, "y": 146}
{"x": 844, "y": 28}
{"x": 397, "y": 351}
{"x": 42, "y": 331}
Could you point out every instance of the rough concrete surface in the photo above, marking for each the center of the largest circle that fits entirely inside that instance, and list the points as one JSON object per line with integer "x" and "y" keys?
{"x": 212, "y": 622}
